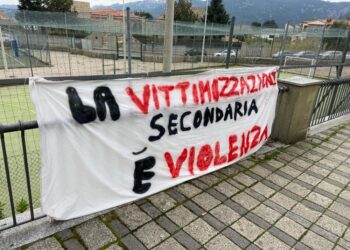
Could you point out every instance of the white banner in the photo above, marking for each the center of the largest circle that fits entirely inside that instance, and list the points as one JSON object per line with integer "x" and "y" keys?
{"x": 108, "y": 142}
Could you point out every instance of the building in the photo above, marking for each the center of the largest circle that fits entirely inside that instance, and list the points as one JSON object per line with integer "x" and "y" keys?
{"x": 321, "y": 23}
{"x": 199, "y": 12}
{"x": 317, "y": 25}
{"x": 80, "y": 7}
{"x": 3, "y": 16}
{"x": 110, "y": 14}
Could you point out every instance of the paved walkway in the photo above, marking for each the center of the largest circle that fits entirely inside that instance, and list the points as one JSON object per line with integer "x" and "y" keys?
{"x": 298, "y": 197}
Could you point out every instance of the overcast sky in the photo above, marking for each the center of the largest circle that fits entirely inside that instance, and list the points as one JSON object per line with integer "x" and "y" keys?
{"x": 109, "y": 2}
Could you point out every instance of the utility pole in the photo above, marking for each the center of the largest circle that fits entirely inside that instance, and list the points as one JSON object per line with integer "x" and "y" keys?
{"x": 168, "y": 36}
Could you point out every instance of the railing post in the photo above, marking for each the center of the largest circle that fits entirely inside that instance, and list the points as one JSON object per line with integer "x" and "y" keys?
{"x": 26, "y": 169}
{"x": 8, "y": 177}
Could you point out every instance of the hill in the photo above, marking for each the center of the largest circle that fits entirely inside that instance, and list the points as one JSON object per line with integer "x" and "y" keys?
{"x": 247, "y": 11}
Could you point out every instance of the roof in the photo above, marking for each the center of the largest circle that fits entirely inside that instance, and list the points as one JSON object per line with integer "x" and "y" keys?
{"x": 109, "y": 13}
{"x": 3, "y": 16}
{"x": 322, "y": 22}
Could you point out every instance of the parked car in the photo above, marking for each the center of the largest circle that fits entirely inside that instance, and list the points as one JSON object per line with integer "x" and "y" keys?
{"x": 195, "y": 52}
{"x": 224, "y": 53}
{"x": 331, "y": 54}
{"x": 305, "y": 54}
{"x": 6, "y": 37}
{"x": 278, "y": 54}
{"x": 347, "y": 56}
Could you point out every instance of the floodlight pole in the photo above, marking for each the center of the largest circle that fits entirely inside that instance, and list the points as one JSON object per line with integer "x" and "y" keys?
{"x": 3, "y": 52}
{"x": 205, "y": 29}
{"x": 168, "y": 36}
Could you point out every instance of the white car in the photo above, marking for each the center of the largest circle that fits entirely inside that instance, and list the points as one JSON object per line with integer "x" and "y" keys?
{"x": 224, "y": 53}
{"x": 6, "y": 37}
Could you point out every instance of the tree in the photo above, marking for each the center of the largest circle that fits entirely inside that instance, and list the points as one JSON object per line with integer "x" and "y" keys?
{"x": 335, "y": 43}
{"x": 217, "y": 12}
{"x": 270, "y": 24}
{"x": 183, "y": 11}
{"x": 338, "y": 25}
{"x": 30, "y": 5}
{"x": 46, "y": 5}
{"x": 255, "y": 24}
{"x": 144, "y": 14}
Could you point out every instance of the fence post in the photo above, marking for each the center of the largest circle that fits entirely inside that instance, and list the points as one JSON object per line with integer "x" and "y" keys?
{"x": 336, "y": 49}
{"x": 283, "y": 43}
{"x": 3, "y": 52}
{"x": 141, "y": 52}
{"x": 318, "y": 52}
{"x": 28, "y": 46}
{"x": 273, "y": 41}
{"x": 68, "y": 47}
{"x": 229, "y": 46}
{"x": 346, "y": 48}
{"x": 117, "y": 48}
{"x": 210, "y": 47}
{"x": 205, "y": 30}
{"x": 129, "y": 39}
{"x": 29, "y": 54}
{"x": 124, "y": 37}
{"x": 48, "y": 45}
{"x": 103, "y": 64}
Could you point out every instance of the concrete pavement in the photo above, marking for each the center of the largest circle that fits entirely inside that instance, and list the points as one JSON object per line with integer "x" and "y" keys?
{"x": 294, "y": 197}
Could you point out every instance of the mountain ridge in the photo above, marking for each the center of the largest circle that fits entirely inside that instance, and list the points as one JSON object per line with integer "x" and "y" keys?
{"x": 248, "y": 11}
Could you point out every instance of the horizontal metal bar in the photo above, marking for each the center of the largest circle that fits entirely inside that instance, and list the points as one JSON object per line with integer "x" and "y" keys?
{"x": 150, "y": 74}
{"x": 336, "y": 82}
{"x": 18, "y": 126}
{"x": 314, "y": 66}
{"x": 100, "y": 77}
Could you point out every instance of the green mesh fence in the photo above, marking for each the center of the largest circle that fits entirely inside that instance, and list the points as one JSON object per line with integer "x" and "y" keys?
{"x": 88, "y": 23}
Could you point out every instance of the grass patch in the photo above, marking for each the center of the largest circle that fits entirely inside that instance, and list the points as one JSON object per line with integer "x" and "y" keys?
{"x": 16, "y": 104}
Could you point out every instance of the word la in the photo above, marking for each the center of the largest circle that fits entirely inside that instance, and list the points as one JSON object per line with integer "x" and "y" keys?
{"x": 86, "y": 114}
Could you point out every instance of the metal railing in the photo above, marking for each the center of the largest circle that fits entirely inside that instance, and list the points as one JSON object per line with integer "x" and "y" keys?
{"x": 21, "y": 127}
{"x": 333, "y": 101}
